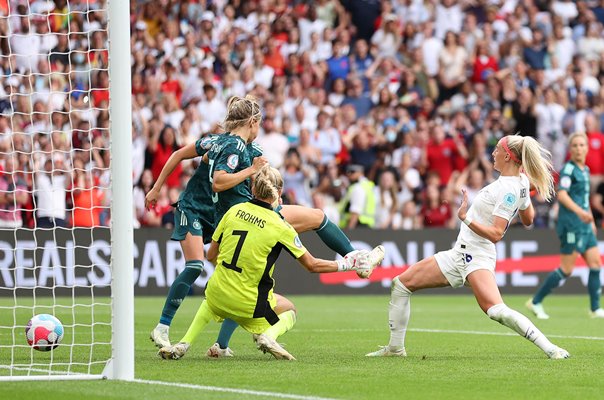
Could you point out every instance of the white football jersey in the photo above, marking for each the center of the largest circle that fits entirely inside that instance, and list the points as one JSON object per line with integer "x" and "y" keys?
{"x": 502, "y": 198}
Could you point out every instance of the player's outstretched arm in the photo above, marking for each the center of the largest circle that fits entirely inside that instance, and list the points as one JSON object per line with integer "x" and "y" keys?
{"x": 351, "y": 262}
{"x": 184, "y": 153}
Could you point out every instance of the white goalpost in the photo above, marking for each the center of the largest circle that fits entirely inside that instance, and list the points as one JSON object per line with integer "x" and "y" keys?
{"x": 122, "y": 235}
{"x": 66, "y": 232}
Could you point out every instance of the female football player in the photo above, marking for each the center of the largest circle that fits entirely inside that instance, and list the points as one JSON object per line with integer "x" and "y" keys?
{"x": 472, "y": 259}
{"x": 576, "y": 230}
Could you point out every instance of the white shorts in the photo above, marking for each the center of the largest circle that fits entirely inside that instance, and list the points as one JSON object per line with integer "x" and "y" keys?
{"x": 456, "y": 266}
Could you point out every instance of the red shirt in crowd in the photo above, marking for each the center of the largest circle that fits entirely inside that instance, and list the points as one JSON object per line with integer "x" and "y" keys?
{"x": 98, "y": 57}
{"x": 441, "y": 158}
{"x": 280, "y": 37}
{"x": 99, "y": 95}
{"x": 172, "y": 86}
{"x": 276, "y": 62}
{"x": 160, "y": 158}
{"x": 595, "y": 155}
{"x": 436, "y": 217}
{"x": 87, "y": 207}
{"x": 483, "y": 67}
{"x": 159, "y": 210}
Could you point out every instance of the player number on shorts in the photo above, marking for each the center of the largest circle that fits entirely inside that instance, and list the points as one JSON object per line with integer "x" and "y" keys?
{"x": 233, "y": 264}
{"x": 468, "y": 258}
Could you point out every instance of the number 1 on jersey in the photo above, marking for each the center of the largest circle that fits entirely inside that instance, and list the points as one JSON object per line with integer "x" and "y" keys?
{"x": 233, "y": 264}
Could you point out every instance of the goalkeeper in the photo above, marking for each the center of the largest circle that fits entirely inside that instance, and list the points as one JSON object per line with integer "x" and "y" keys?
{"x": 246, "y": 244}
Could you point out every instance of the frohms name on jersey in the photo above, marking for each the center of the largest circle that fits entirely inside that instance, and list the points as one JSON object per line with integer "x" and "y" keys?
{"x": 248, "y": 217}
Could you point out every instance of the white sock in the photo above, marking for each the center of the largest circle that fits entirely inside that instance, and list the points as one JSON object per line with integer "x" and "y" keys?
{"x": 521, "y": 324}
{"x": 398, "y": 314}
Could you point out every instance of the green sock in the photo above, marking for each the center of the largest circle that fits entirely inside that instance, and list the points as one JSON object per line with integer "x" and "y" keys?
{"x": 179, "y": 290}
{"x": 551, "y": 282}
{"x": 287, "y": 320}
{"x": 202, "y": 318}
{"x": 334, "y": 238}
{"x": 594, "y": 287}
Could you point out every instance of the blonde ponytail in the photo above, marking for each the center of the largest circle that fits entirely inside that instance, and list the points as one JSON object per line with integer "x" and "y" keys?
{"x": 240, "y": 110}
{"x": 267, "y": 184}
{"x": 537, "y": 163}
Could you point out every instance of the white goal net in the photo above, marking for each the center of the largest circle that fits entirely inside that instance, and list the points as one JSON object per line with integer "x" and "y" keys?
{"x": 55, "y": 186}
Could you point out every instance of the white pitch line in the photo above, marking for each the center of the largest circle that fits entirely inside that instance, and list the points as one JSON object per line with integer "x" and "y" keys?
{"x": 426, "y": 330}
{"x": 501, "y": 334}
{"x": 455, "y": 331}
{"x": 233, "y": 390}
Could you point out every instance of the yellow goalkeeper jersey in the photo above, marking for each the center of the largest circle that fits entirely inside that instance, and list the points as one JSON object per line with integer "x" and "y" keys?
{"x": 250, "y": 235}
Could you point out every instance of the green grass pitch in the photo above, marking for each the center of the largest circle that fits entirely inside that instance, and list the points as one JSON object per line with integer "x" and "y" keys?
{"x": 455, "y": 352}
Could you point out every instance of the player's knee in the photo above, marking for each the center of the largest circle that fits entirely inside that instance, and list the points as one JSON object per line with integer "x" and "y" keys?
{"x": 290, "y": 306}
{"x": 286, "y": 308}
{"x": 317, "y": 216}
{"x": 408, "y": 280}
{"x": 401, "y": 289}
{"x": 498, "y": 312}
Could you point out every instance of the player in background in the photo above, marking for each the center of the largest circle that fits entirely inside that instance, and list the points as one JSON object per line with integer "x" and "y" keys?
{"x": 576, "y": 230}
{"x": 232, "y": 159}
{"x": 472, "y": 259}
{"x": 245, "y": 246}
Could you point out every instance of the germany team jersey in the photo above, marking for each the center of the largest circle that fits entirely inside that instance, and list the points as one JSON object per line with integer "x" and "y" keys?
{"x": 254, "y": 150}
{"x": 196, "y": 199}
{"x": 197, "y": 195}
{"x": 230, "y": 153}
{"x": 575, "y": 181}
{"x": 251, "y": 236}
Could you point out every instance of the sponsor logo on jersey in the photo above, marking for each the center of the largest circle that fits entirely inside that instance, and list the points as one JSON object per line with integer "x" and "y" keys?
{"x": 233, "y": 161}
{"x": 565, "y": 182}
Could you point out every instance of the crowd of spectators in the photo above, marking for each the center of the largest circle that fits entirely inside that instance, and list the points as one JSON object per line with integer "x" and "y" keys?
{"x": 417, "y": 92}
{"x": 54, "y": 119}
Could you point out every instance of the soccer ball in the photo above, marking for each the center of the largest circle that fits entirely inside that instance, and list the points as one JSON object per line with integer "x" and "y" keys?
{"x": 44, "y": 332}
